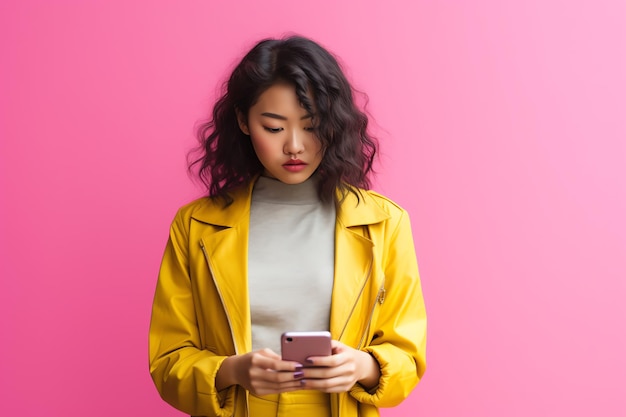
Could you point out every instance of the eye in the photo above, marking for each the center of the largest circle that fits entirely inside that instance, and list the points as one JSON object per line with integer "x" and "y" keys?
{"x": 310, "y": 129}
{"x": 273, "y": 129}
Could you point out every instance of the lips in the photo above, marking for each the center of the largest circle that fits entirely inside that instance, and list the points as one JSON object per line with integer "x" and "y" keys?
{"x": 294, "y": 162}
{"x": 294, "y": 165}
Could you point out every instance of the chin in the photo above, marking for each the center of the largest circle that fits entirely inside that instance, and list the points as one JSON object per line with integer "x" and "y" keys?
{"x": 291, "y": 178}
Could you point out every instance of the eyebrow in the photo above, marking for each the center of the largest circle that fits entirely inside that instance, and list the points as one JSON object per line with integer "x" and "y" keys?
{"x": 279, "y": 117}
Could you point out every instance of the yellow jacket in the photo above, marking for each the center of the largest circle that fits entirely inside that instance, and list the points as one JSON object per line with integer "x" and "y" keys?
{"x": 201, "y": 311}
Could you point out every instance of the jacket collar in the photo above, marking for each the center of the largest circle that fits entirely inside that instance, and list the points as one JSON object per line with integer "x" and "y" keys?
{"x": 360, "y": 211}
{"x": 352, "y": 211}
{"x": 215, "y": 213}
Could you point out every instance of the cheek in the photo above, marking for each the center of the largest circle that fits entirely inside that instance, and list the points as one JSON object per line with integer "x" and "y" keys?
{"x": 263, "y": 147}
{"x": 316, "y": 146}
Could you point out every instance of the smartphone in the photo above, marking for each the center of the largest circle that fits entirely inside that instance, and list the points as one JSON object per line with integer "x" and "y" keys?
{"x": 297, "y": 346}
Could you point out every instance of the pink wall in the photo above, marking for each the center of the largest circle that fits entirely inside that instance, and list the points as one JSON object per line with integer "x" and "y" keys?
{"x": 504, "y": 135}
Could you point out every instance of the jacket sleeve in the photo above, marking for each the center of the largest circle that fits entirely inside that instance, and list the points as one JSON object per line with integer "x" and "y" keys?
{"x": 183, "y": 372}
{"x": 399, "y": 341}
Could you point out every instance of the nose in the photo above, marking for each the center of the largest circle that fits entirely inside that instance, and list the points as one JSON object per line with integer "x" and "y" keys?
{"x": 294, "y": 144}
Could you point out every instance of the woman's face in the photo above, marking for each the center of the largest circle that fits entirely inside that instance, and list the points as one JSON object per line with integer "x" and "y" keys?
{"x": 283, "y": 135}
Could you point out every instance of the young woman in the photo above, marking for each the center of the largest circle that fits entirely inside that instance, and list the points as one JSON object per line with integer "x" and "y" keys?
{"x": 289, "y": 239}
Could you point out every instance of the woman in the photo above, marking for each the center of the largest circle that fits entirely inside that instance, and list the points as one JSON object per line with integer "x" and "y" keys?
{"x": 289, "y": 239}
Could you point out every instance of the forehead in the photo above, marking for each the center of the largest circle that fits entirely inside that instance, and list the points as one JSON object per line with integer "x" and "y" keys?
{"x": 281, "y": 99}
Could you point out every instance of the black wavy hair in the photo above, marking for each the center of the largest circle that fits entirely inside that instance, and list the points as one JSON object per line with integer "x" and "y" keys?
{"x": 226, "y": 157}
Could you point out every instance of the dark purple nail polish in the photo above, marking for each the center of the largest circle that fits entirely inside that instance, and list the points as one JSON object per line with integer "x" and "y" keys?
{"x": 309, "y": 360}
{"x": 298, "y": 374}
{"x": 299, "y": 368}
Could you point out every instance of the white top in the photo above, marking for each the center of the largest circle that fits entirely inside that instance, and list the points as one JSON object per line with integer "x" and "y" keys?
{"x": 291, "y": 253}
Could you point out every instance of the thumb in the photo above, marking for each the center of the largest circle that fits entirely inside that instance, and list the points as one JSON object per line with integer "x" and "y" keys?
{"x": 337, "y": 347}
{"x": 270, "y": 353}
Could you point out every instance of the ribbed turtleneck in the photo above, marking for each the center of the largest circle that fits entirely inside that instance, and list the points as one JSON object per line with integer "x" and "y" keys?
{"x": 271, "y": 190}
{"x": 290, "y": 260}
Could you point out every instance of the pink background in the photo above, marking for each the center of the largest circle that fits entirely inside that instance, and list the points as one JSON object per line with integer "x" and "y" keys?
{"x": 503, "y": 133}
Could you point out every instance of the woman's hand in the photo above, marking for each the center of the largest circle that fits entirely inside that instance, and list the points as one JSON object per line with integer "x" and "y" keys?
{"x": 261, "y": 372}
{"x": 344, "y": 368}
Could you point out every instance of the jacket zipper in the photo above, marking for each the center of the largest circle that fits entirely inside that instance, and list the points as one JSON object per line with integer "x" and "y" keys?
{"x": 380, "y": 299}
{"x": 230, "y": 326}
{"x": 369, "y": 273}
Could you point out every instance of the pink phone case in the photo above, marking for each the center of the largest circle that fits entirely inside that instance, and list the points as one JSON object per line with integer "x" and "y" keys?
{"x": 298, "y": 346}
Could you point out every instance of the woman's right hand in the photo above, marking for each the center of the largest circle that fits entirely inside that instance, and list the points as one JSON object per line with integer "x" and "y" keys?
{"x": 262, "y": 372}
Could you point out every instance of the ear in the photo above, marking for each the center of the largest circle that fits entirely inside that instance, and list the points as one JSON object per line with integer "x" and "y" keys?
{"x": 243, "y": 123}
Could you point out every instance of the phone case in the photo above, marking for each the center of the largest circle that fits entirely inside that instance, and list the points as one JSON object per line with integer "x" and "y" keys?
{"x": 298, "y": 346}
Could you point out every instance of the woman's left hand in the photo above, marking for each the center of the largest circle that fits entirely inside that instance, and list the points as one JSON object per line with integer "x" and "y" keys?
{"x": 340, "y": 371}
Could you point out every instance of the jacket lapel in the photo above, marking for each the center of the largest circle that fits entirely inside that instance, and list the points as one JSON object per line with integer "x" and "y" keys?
{"x": 226, "y": 245}
{"x": 354, "y": 257}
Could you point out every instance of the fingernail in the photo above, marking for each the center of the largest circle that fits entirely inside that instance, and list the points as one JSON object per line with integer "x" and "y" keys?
{"x": 297, "y": 375}
{"x": 299, "y": 367}
{"x": 309, "y": 360}
{"x": 302, "y": 382}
